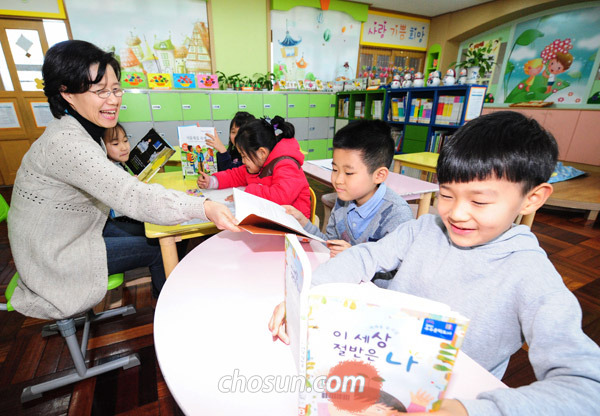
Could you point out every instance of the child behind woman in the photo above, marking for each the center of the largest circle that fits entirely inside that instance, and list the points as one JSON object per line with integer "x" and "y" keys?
{"x": 117, "y": 145}
{"x": 229, "y": 157}
{"x": 272, "y": 165}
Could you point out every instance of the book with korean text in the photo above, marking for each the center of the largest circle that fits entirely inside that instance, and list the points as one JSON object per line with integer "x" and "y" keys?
{"x": 360, "y": 345}
{"x": 196, "y": 154}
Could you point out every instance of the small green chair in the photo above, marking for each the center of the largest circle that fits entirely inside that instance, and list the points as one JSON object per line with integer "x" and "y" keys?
{"x": 67, "y": 328}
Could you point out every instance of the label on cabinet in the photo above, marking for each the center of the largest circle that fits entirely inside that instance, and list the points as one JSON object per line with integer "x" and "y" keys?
{"x": 216, "y": 107}
{"x": 186, "y": 106}
{"x": 242, "y": 106}
{"x": 156, "y": 106}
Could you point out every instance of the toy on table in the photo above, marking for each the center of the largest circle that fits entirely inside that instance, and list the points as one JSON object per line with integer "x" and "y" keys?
{"x": 407, "y": 80}
{"x": 450, "y": 78}
{"x": 396, "y": 82}
{"x": 418, "y": 82}
{"x": 462, "y": 79}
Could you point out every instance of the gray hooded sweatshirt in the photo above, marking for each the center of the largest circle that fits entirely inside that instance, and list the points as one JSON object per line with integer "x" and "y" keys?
{"x": 512, "y": 294}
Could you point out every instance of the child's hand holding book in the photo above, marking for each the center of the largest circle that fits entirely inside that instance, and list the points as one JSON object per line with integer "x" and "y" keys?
{"x": 277, "y": 324}
{"x": 296, "y": 214}
{"x": 337, "y": 246}
{"x": 206, "y": 181}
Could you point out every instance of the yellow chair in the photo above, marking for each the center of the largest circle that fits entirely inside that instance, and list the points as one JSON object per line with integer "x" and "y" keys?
{"x": 313, "y": 207}
{"x": 67, "y": 328}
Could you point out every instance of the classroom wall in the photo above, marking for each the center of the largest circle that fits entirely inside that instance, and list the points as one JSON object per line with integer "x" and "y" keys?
{"x": 240, "y": 34}
{"x": 450, "y": 29}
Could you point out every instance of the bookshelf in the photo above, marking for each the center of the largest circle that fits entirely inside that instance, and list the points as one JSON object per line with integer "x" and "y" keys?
{"x": 427, "y": 115}
{"x": 357, "y": 105}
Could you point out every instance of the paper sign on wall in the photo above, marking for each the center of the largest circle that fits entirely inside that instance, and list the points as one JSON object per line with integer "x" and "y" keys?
{"x": 396, "y": 31}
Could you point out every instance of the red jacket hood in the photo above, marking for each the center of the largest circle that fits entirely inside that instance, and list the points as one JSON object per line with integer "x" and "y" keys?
{"x": 286, "y": 147}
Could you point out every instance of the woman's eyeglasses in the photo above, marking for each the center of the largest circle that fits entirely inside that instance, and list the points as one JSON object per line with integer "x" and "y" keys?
{"x": 104, "y": 94}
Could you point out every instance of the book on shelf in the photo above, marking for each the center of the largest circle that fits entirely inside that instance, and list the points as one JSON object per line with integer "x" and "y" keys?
{"x": 196, "y": 154}
{"x": 420, "y": 110}
{"x": 397, "y": 109}
{"x": 412, "y": 172}
{"x": 149, "y": 155}
{"x": 377, "y": 109}
{"x": 449, "y": 110}
{"x": 436, "y": 140}
{"x": 359, "y": 109}
{"x": 397, "y": 136}
{"x": 261, "y": 216}
{"x": 355, "y": 343}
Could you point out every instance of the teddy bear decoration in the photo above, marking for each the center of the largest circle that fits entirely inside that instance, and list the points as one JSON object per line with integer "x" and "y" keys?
{"x": 450, "y": 78}
{"x": 418, "y": 82}
{"x": 407, "y": 80}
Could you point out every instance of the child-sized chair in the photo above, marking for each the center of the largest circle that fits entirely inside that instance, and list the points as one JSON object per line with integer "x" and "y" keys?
{"x": 313, "y": 207}
{"x": 67, "y": 328}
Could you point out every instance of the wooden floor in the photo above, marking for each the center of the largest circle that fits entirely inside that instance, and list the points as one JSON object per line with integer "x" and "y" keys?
{"x": 572, "y": 243}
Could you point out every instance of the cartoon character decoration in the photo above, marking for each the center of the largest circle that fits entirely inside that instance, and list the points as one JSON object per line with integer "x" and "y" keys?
{"x": 396, "y": 82}
{"x": 557, "y": 58}
{"x": 462, "y": 79}
{"x": 450, "y": 78}
{"x": 418, "y": 82}
{"x": 407, "y": 83}
{"x": 532, "y": 68}
{"x": 435, "y": 79}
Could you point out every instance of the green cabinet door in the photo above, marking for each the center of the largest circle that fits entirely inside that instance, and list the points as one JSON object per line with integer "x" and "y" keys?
{"x": 251, "y": 102}
{"x": 275, "y": 104}
{"x": 317, "y": 149}
{"x": 224, "y": 105}
{"x": 318, "y": 105}
{"x": 165, "y": 106}
{"x": 332, "y": 101}
{"x": 304, "y": 146}
{"x": 297, "y": 105}
{"x": 329, "y": 149}
{"x": 195, "y": 106}
{"x": 134, "y": 107}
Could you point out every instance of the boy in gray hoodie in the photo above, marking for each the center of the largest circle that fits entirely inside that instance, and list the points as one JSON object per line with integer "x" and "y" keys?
{"x": 474, "y": 259}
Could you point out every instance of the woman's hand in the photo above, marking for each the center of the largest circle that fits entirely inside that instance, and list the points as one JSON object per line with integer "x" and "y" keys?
{"x": 215, "y": 142}
{"x": 296, "y": 214}
{"x": 220, "y": 215}
{"x": 203, "y": 180}
{"x": 337, "y": 246}
{"x": 277, "y": 324}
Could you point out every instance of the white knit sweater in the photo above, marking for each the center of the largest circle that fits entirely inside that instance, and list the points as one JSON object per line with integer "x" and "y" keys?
{"x": 60, "y": 203}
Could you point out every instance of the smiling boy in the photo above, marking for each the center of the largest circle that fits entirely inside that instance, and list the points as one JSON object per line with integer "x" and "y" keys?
{"x": 475, "y": 260}
{"x": 365, "y": 209}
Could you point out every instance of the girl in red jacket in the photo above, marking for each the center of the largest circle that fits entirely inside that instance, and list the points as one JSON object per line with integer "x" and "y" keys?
{"x": 272, "y": 165}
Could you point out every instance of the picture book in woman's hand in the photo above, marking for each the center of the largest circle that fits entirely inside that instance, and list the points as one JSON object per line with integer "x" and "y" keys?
{"x": 149, "y": 155}
{"x": 362, "y": 348}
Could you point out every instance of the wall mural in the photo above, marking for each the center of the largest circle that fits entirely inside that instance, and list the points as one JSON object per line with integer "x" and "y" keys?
{"x": 310, "y": 44}
{"x": 552, "y": 58}
{"x": 146, "y": 35}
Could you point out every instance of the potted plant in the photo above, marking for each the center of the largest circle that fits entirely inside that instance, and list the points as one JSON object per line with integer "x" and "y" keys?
{"x": 234, "y": 82}
{"x": 268, "y": 79}
{"x": 223, "y": 80}
{"x": 477, "y": 62}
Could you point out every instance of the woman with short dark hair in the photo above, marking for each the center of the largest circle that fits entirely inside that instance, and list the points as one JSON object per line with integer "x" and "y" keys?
{"x": 66, "y": 184}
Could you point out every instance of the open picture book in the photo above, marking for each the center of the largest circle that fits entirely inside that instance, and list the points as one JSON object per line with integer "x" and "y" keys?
{"x": 196, "y": 154}
{"x": 149, "y": 155}
{"x": 362, "y": 348}
{"x": 261, "y": 216}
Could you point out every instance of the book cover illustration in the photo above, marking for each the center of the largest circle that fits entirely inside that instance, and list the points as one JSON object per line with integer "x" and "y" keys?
{"x": 405, "y": 348}
{"x": 160, "y": 81}
{"x": 187, "y": 81}
{"x": 149, "y": 155}
{"x": 196, "y": 155}
{"x": 133, "y": 80}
